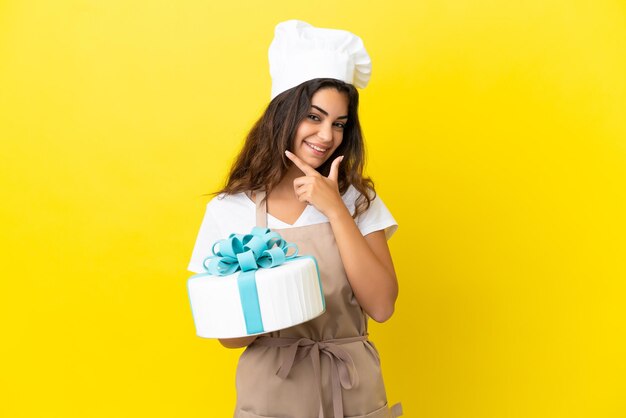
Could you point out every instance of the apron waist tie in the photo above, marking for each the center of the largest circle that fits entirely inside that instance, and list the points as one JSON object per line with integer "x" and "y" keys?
{"x": 342, "y": 369}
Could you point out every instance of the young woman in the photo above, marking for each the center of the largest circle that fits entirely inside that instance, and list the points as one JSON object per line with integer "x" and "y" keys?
{"x": 300, "y": 173}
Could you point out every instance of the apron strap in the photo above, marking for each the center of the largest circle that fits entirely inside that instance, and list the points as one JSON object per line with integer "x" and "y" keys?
{"x": 261, "y": 209}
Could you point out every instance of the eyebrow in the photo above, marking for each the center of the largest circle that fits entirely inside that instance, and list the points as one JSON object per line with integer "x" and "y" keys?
{"x": 326, "y": 113}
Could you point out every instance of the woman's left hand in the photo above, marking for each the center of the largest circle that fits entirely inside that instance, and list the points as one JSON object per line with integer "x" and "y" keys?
{"x": 366, "y": 260}
{"x": 319, "y": 191}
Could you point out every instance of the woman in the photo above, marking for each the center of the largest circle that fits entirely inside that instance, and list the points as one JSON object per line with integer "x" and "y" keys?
{"x": 300, "y": 174}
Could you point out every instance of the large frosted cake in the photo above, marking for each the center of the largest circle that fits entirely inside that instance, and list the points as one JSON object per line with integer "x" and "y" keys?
{"x": 284, "y": 295}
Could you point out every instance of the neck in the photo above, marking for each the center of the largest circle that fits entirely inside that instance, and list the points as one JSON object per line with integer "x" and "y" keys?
{"x": 285, "y": 186}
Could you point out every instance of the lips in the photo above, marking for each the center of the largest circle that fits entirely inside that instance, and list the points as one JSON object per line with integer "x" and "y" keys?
{"x": 316, "y": 149}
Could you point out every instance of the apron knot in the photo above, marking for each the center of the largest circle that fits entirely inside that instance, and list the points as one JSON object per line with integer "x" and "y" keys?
{"x": 342, "y": 368}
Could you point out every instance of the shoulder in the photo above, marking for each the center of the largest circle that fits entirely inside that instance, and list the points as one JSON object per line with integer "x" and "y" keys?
{"x": 225, "y": 203}
{"x": 351, "y": 195}
{"x": 232, "y": 212}
{"x": 376, "y": 217}
{"x": 225, "y": 214}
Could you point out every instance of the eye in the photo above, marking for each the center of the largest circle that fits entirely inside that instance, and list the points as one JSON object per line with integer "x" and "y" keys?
{"x": 340, "y": 125}
{"x": 313, "y": 116}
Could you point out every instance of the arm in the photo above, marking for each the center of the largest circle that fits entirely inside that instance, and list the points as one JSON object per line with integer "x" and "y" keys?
{"x": 367, "y": 260}
{"x": 368, "y": 264}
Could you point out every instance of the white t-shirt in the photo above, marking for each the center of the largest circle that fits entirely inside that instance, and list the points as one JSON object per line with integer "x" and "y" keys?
{"x": 236, "y": 213}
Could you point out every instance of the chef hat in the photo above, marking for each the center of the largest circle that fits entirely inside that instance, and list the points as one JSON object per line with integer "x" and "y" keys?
{"x": 300, "y": 52}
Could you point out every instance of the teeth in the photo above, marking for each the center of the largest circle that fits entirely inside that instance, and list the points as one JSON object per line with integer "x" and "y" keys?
{"x": 316, "y": 148}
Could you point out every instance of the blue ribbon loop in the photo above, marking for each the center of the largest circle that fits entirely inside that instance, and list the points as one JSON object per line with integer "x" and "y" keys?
{"x": 262, "y": 248}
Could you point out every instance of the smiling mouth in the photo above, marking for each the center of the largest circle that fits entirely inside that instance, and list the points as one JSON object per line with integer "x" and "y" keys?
{"x": 317, "y": 150}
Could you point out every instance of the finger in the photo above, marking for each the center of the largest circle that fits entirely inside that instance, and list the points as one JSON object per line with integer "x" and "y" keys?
{"x": 302, "y": 186}
{"x": 304, "y": 197}
{"x": 303, "y": 191}
{"x": 299, "y": 181}
{"x": 306, "y": 169}
{"x": 334, "y": 169}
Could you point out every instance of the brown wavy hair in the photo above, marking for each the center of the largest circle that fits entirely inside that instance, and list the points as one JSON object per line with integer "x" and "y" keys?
{"x": 262, "y": 162}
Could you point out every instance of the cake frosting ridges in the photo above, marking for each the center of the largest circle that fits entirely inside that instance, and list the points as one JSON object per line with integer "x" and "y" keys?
{"x": 289, "y": 294}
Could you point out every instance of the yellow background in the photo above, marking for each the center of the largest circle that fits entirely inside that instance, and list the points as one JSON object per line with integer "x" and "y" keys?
{"x": 496, "y": 135}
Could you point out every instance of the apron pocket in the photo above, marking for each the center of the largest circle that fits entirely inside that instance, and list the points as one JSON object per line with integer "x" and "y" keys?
{"x": 240, "y": 413}
{"x": 384, "y": 412}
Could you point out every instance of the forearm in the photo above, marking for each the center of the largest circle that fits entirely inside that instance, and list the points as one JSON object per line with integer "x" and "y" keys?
{"x": 375, "y": 286}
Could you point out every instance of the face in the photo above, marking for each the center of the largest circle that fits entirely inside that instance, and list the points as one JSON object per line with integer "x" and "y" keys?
{"x": 321, "y": 131}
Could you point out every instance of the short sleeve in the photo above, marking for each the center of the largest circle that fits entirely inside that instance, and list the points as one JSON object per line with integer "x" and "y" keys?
{"x": 209, "y": 233}
{"x": 377, "y": 217}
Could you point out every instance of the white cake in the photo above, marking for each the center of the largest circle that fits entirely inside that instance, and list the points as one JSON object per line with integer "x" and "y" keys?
{"x": 288, "y": 295}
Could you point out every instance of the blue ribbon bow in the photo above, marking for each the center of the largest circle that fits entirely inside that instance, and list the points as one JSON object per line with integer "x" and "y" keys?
{"x": 262, "y": 248}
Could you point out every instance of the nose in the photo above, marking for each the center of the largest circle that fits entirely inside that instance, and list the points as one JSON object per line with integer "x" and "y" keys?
{"x": 325, "y": 132}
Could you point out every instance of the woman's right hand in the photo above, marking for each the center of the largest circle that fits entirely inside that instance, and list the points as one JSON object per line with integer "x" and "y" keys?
{"x": 237, "y": 342}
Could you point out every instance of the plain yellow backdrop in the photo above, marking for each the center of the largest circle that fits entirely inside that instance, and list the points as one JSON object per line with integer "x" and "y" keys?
{"x": 496, "y": 135}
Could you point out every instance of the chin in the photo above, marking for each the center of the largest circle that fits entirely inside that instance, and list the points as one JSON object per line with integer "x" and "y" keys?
{"x": 317, "y": 163}
{"x": 313, "y": 162}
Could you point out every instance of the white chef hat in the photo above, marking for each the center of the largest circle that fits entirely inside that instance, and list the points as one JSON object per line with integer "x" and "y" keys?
{"x": 300, "y": 52}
